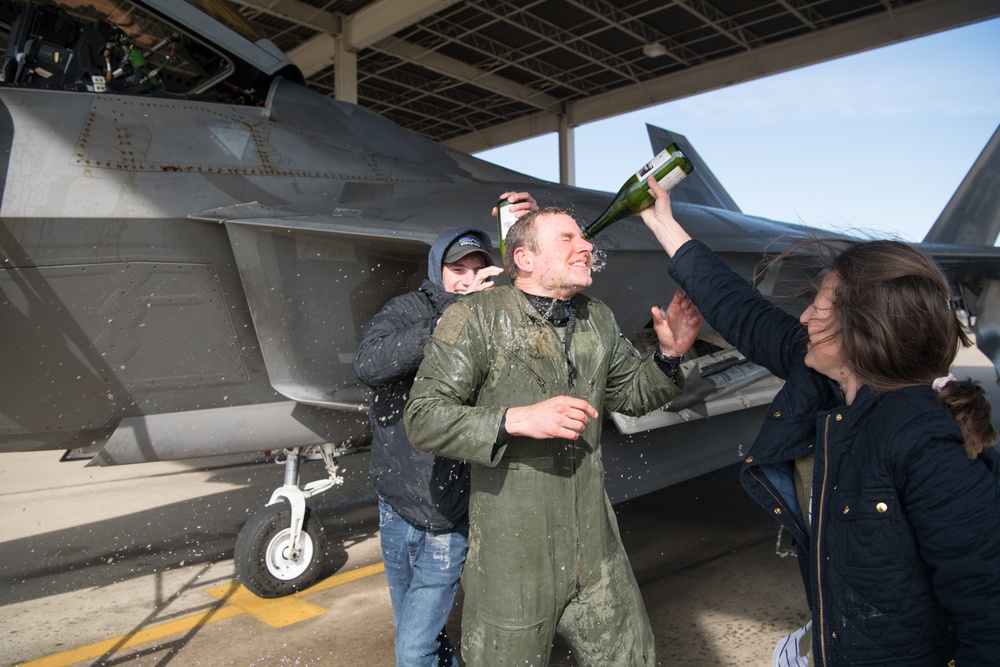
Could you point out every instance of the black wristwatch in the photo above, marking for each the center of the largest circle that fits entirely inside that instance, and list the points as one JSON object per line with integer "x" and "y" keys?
{"x": 667, "y": 359}
{"x": 670, "y": 366}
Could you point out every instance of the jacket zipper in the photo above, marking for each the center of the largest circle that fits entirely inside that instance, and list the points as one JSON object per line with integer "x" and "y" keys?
{"x": 819, "y": 537}
{"x": 777, "y": 500}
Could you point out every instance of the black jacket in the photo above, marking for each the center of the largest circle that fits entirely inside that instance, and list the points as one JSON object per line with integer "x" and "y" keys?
{"x": 427, "y": 490}
{"x": 902, "y": 563}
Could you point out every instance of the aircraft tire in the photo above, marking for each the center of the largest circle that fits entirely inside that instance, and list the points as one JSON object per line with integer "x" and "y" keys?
{"x": 260, "y": 552}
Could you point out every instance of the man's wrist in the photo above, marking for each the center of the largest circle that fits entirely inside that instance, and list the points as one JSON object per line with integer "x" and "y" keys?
{"x": 502, "y": 434}
{"x": 670, "y": 365}
{"x": 668, "y": 358}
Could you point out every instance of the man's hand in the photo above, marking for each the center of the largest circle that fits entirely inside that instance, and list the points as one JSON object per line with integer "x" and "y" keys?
{"x": 677, "y": 328}
{"x": 521, "y": 203}
{"x": 484, "y": 279}
{"x": 559, "y": 417}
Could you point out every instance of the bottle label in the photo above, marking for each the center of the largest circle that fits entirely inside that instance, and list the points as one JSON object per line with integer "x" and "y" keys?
{"x": 672, "y": 178}
{"x": 507, "y": 219}
{"x": 651, "y": 166}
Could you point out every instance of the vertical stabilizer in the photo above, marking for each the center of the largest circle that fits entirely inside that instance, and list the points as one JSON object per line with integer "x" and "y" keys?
{"x": 701, "y": 186}
{"x": 972, "y": 216}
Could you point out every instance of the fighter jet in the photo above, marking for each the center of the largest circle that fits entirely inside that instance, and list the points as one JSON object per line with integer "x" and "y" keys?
{"x": 191, "y": 241}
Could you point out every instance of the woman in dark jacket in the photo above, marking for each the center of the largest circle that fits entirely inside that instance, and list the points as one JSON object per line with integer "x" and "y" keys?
{"x": 874, "y": 459}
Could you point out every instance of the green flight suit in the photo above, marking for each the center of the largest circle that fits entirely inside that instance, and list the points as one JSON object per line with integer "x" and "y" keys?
{"x": 545, "y": 555}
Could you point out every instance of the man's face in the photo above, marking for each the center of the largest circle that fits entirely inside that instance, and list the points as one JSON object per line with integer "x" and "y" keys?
{"x": 561, "y": 267}
{"x": 458, "y": 276}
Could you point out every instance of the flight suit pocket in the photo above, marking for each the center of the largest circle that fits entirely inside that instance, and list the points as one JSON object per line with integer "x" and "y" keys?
{"x": 498, "y": 643}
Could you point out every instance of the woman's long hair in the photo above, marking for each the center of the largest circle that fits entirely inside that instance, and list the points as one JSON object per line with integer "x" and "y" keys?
{"x": 896, "y": 325}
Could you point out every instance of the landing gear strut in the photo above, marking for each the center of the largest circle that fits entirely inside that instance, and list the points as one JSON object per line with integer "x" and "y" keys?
{"x": 281, "y": 548}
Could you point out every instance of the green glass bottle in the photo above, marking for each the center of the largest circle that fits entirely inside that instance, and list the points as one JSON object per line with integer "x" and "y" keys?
{"x": 669, "y": 168}
{"x": 504, "y": 221}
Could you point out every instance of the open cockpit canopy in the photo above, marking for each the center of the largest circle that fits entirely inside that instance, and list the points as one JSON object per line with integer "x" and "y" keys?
{"x": 201, "y": 50}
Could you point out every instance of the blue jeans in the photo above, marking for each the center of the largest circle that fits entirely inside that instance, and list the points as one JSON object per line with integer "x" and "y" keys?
{"x": 423, "y": 568}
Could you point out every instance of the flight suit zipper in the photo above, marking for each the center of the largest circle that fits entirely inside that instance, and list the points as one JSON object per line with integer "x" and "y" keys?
{"x": 538, "y": 378}
{"x": 592, "y": 382}
{"x": 571, "y": 371}
{"x": 576, "y": 529}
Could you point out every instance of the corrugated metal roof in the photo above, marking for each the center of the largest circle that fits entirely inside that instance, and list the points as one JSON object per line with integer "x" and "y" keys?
{"x": 471, "y": 66}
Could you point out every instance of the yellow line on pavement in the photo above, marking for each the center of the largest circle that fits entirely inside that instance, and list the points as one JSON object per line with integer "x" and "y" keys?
{"x": 276, "y": 612}
{"x": 236, "y": 601}
{"x": 346, "y": 577}
{"x": 279, "y": 612}
{"x": 143, "y": 636}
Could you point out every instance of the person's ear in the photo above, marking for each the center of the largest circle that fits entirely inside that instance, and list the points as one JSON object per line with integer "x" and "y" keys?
{"x": 524, "y": 259}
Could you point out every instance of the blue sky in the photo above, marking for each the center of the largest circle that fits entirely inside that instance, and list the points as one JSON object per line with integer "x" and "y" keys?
{"x": 876, "y": 142}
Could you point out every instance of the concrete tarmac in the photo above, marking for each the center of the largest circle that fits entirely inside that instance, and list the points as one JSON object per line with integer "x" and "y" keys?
{"x": 101, "y": 568}
{"x": 133, "y": 566}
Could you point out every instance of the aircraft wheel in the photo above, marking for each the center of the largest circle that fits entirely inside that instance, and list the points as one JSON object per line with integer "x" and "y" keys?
{"x": 263, "y": 563}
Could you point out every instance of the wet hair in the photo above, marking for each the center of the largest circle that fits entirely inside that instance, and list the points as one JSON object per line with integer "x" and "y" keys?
{"x": 893, "y": 318}
{"x": 522, "y": 234}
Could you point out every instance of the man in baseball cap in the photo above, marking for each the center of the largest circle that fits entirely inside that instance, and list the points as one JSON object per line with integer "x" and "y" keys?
{"x": 423, "y": 499}
{"x": 474, "y": 241}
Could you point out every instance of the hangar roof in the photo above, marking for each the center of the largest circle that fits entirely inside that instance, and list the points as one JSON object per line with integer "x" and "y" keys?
{"x": 481, "y": 73}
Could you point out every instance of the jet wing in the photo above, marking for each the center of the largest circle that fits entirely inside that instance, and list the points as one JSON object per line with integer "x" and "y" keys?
{"x": 308, "y": 281}
{"x": 342, "y": 222}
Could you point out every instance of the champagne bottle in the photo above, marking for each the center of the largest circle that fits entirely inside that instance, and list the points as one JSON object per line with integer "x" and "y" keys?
{"x": 504, "y": 221}
{"x": 669, "y": 167}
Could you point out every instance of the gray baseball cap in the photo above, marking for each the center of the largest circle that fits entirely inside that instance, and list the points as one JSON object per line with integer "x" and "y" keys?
{"x": 463, "y": 246}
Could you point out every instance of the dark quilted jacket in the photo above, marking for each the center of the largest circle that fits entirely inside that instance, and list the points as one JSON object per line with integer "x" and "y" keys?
{"x": 902, "y": 564}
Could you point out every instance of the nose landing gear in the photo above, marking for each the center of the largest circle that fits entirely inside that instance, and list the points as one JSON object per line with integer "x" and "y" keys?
{"x": 281, "y": 548}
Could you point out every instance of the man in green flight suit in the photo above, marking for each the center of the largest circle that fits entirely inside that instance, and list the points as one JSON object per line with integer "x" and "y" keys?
{"x": 514, "y": 379}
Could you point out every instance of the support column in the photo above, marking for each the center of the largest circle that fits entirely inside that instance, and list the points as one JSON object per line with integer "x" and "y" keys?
{"x": 567, "y": 152}
{"x": 345, "y": 72}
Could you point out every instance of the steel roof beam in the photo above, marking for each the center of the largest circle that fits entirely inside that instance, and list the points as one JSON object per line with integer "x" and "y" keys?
{"x": 296, "y": 12}
{"x": 870, "y": 32}
{"x": 387, "y": 17}
{"x": 464, "y": 73}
